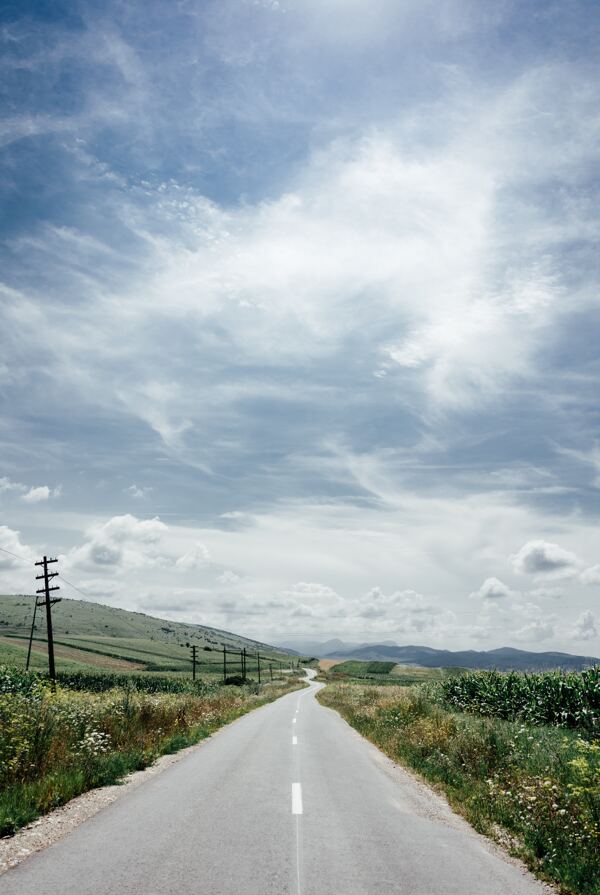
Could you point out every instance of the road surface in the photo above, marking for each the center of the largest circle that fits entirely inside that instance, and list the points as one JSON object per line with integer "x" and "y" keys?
{"x": 287, "y": 800}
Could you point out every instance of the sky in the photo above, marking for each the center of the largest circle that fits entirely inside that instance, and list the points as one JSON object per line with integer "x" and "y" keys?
{"x": 299, "y": 314}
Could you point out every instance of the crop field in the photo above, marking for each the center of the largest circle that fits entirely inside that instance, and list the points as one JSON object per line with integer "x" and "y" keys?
{"x": 390, "y": 673}
{"x": 56, "y": 744}
{"x": 565, "y": 699}
{"x": 533, "y": 786}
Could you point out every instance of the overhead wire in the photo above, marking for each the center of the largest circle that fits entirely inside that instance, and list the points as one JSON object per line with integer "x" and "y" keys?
{"x": 31, "y": 563}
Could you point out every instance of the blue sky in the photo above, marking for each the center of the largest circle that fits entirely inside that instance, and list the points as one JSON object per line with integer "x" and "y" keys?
{"x": 299, "y": 314}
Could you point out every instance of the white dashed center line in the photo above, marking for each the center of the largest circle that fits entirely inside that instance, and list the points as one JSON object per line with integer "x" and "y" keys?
{"x": 294, "y": 741}
{"x": 296, "y": 798}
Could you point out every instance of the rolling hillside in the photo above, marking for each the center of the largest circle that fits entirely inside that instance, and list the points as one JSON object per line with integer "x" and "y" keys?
{"x": 94, "y": 635}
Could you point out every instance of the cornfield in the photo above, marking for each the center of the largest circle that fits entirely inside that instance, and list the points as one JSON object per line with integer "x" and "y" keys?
{"x": 564, "y": 699}
{"x": 14, "y": 680}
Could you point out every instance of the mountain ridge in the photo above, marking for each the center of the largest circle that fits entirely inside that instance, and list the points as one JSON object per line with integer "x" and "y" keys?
{"x": 504, "y": 658}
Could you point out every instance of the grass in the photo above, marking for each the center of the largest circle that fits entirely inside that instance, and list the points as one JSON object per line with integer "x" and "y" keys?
{"x": 56, "y": 744}
{"x": 535, "y": 789}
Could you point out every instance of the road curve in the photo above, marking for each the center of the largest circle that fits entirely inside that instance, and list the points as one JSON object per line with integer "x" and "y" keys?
{"x": 287, "y": 800}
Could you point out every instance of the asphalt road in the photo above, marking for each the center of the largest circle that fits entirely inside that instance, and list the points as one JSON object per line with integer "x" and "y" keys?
{"x": 287, "y": 800}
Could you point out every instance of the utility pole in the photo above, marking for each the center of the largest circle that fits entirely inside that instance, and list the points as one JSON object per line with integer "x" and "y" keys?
{"x": 194, "y": 648}
{"x": 258, "y": 665}
{"x": 271, "y": 669}
{"x": 46, "y": 576}
{"x": 224, "y": 663}
{"x": 244, "y": 663}
{"x": 35, "y": 608}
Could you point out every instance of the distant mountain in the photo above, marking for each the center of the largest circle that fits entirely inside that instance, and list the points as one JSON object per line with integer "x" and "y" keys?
{"x": 504, "y": 659}
{"x": 317, "y": 648}
{"x": 320, "y": 648}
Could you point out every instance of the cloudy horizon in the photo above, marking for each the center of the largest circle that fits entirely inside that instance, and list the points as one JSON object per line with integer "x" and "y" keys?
{"x": 299, "y": 315}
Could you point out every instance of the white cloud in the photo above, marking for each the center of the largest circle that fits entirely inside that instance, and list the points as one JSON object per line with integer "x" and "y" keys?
{"x": 492, "y": 589}
{"x": 311, "y": 589}
{"x": 29, "y": 494}
{"x": 10, "y": 540}
{"x": 228, "y": 577}
{"x": 535, "y": 632}
{"x": 370, "y": 212}
{"x": 195, "y": 558}
{"x": 591, "y": 575}
{"x": 122, "y": 542}
{"x": 41, "y": 493}
{"x": 137, "y": 493}
{"x": 585, "y": 627}
{"x": 36, "y": 495}
{"x": 546, "y": 560}
{"x": 17, "y": 572}
{"x": 98, "y": 587}
{"x": 543, "y": 593}
{"x": 440, "y": 241}
{"x": 7, "y": 485}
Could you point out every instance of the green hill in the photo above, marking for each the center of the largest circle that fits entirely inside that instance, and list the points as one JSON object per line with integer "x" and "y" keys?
{"x": 90, "y": 634}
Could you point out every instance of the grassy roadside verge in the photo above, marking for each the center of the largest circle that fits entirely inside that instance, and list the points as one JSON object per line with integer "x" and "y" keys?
{"x": 57, "y": 745}
{"x": 535, "y": 789}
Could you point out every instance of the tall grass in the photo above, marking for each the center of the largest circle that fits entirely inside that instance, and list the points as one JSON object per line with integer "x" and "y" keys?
{"x": 55, "y": 744}
{"x": 535, "y": 788}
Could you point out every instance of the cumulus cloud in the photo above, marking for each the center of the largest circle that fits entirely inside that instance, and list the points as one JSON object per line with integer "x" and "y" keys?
{"x": 585, "y": 627}
{"x": 35, "y": 495}
{"x": 41, "y": 493}
{"x": 29, "y": 494}
{"x": 492, "y": 589}
{"x": 16, "y": 566}
{"x": 546, "y": 560}
{"x": 532, "y": 623}
{"x": 122, "y": 542}
{"x": 404, "y": 612}
{"x": 11, "y": 541}
{"x": 194, "y": 558}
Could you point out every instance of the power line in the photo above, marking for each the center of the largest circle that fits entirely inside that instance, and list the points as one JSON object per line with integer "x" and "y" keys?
{"x": 74, "y": 586}
{"x": 31, "y": 563}
{"x": 16, "y": 556}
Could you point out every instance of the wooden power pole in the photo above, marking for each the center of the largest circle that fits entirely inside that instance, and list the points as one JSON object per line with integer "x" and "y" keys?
{"x": 194, "y": 648}
{"x": 46, "y": 576}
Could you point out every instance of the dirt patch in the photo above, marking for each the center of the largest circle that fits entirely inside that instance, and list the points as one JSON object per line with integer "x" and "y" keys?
{"x": 326, "y": 664}
{"x": 76, "y": 655}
